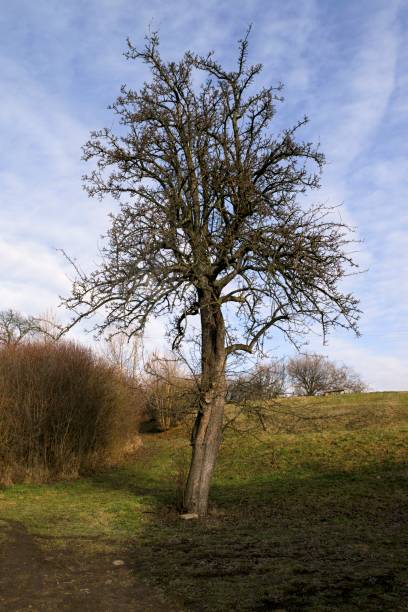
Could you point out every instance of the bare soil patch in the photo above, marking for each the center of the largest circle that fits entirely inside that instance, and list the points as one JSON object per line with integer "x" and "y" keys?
{"x": 36, "y": 576}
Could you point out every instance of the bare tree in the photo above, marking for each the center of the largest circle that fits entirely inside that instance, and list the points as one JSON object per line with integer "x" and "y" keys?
{"x": 265, "y": 382}
{"x": 15, "y": 327}
{"x": 210, "y": 219}
{"x": 313, "y": 374}
{"x": 123, "y": 353}
{"x": 47, "y": 326}
{"x": 345, "y": 379}
{"x": 170, "y": 392}
{"x": 309, "y": 374}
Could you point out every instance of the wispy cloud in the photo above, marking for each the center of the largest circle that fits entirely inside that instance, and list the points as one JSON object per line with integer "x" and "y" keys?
{"x": 360, "y": 97}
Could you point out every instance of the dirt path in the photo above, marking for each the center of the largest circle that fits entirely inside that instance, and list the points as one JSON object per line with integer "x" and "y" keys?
{"x": 34, "y": 577}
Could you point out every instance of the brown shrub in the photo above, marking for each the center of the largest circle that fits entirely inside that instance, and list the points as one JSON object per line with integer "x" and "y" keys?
{"x": 62, "y": 410}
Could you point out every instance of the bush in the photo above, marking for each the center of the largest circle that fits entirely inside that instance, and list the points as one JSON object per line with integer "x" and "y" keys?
{"x": 62, "y": 410}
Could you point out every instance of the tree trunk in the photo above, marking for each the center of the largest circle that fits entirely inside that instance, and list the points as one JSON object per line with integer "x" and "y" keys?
{"x": 207, "y": 431}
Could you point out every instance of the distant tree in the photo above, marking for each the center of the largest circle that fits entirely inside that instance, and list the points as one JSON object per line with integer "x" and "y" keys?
{"x": 344, "y": 378}
{"x": 312, "y": 374}
{"x": 266, "y": 381}
{"x": 170, "y": 392}
{"x": 47, "y": 326}
{"x": 15, "y": 327}
{"x": 209, "y": 218}
{"x": 123, "y": 353}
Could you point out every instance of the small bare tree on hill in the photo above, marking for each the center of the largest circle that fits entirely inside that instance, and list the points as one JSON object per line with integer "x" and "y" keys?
{"x": 313, "y": 374}
{"x": 345, "y": 379}
{"x": 209, "y": 220}
{"x": 266, "y": 381}
{"x": 16, "y": 328}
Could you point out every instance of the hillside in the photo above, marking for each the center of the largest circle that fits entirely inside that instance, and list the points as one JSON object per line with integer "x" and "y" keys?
{"x": 310, "y": 514}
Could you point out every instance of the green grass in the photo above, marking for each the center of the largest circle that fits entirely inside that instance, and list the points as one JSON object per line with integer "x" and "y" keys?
{"x": 309, "y": 515}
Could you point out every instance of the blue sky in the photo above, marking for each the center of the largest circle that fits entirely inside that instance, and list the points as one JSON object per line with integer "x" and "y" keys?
{"x": 343, "y": 62}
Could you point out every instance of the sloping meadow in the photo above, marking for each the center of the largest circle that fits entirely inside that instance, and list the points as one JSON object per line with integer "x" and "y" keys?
{"x": 309, "y": 514}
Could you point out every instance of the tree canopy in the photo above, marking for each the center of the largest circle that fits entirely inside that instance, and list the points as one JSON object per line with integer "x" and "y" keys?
{"x": 209, "y": 200}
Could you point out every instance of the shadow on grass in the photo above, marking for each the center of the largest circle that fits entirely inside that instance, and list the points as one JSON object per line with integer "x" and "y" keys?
{"x": 321, "y": 542}
{"x": 140, "y": 486}
{"x": 264, "y": 489}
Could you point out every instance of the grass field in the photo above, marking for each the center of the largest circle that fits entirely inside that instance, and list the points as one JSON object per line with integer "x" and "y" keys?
{"x": 308, "y": 515}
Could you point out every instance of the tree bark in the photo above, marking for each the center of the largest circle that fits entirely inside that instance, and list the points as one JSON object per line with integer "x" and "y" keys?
{"x": 207, "y": 431}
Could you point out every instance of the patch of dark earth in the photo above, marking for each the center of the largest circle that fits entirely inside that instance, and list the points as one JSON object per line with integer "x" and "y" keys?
{"x": 35, "y": 578}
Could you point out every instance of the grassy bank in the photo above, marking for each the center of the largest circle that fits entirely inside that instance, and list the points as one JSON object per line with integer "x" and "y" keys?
{"x": 309, "y": 515}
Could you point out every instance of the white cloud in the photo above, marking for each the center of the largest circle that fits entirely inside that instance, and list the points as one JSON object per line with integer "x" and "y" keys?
{"x": 43, "y": 206}
{"x": 31, "y": 278}
{"x": 382, "y": 371}
{"x": 361, "y": 96}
